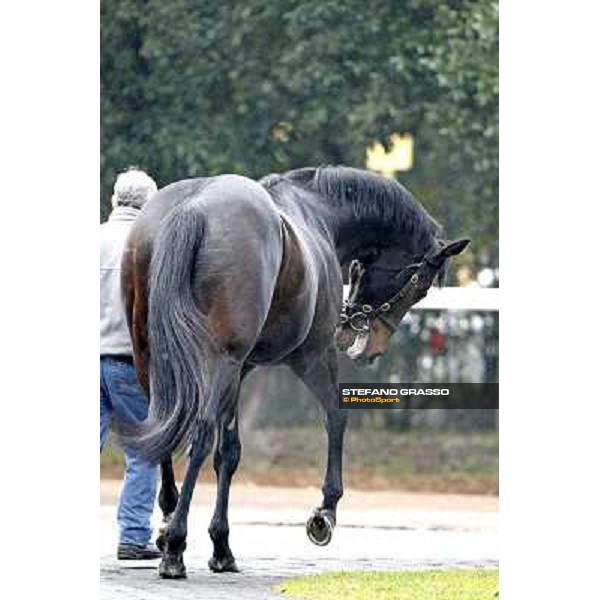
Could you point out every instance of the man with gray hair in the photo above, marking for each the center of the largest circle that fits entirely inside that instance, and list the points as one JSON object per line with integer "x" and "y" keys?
{"x": 121, "y": 396}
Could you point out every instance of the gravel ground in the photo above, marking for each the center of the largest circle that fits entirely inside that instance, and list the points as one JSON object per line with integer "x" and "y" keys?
{"x": 376, "y": 531}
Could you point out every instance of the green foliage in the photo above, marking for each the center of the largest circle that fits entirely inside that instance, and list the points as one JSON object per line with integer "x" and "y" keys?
{"x": 450, "y": 584}
{"x": 193, "y": 88}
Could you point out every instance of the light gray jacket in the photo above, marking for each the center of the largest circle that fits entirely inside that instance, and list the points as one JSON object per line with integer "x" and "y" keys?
{"x": 114, "y": 334}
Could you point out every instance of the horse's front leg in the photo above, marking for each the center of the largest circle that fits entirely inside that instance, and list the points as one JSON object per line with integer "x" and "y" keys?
{"x": 167, "y": 498}
{"x": 172, "y": 566}
{"x": 321, "y": 377}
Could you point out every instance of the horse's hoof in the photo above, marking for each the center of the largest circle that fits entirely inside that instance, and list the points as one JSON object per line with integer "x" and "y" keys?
{"x": 172, "y": 567}
{"x": 223, "y": 565}
{"x": 319, "y": 527}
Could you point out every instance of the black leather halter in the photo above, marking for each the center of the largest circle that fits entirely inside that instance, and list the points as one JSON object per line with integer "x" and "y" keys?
{"x": 360, "y": 316}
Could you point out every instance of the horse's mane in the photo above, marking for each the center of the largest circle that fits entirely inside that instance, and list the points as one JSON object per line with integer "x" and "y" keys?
{"x": 372, "y": 198}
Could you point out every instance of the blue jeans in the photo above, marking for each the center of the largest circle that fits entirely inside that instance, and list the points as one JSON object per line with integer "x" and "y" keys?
{"x": 122, "y": 398}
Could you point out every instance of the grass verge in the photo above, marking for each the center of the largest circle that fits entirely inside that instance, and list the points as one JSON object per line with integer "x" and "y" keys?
{"x": 418, "y": 461}
{"x": 446, "y": 584}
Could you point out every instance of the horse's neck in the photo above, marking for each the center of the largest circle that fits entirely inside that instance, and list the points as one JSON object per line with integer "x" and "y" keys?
{"x": 309, "y": 216}
{"x": 354, "y": 235}
{"x": 346, "y": 236}
{"x": 340, "y": 227}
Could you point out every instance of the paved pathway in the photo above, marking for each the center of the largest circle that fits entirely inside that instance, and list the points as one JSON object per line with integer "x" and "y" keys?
{"x": 376, "y": 531}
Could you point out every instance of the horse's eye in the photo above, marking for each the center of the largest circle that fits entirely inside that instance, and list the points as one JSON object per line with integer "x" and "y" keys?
{"x": 414, "y": 279}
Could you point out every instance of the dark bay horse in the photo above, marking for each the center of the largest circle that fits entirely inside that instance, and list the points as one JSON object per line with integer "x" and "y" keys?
{"x": 223, "y": 274}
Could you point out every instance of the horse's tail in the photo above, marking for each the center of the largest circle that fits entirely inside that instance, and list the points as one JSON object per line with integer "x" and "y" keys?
{"x": 184, "y": 361}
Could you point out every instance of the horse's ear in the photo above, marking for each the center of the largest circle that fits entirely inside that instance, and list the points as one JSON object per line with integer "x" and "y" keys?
{"x": 355, "y": 275}
{"x": 453, "y": 248}
{"x": 355, "y": 272}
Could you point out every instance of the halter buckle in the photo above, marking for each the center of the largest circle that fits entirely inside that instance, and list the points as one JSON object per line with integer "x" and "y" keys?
{"x": 359, "y": 322}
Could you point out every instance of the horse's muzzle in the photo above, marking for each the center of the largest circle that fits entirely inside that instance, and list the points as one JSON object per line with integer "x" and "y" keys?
{"x": 344, "y": 338}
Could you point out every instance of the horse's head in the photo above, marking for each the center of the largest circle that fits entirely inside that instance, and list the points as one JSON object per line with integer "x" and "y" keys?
{"x": 382, "y": 292}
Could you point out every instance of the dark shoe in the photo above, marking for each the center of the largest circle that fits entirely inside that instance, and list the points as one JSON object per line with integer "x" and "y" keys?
{"x": 135, "y": 552}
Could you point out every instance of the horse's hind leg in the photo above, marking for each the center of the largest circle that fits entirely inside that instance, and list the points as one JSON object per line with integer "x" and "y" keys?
{"x": 172, "y": 566}
{"x": 321, "y": 377}
{"x": 225, "y": 379}
{"x": 167, "y": 498}
{"x": 226, "y": 459}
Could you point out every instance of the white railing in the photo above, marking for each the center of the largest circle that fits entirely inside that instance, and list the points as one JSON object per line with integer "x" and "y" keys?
{"x": 458, "y": 298}
{"x": 461, "y": 298}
